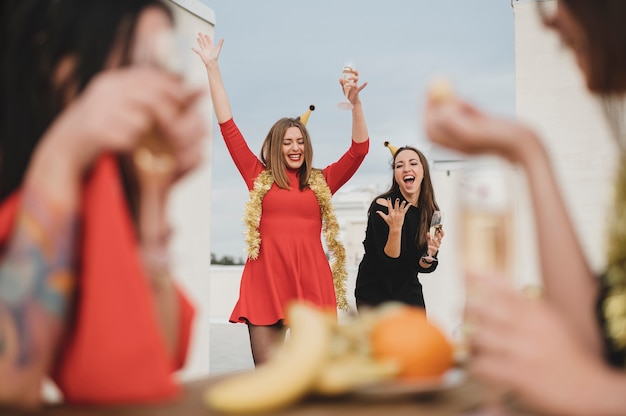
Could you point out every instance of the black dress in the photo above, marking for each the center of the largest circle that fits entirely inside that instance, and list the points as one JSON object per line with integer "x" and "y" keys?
{"x": 382, "y": 278}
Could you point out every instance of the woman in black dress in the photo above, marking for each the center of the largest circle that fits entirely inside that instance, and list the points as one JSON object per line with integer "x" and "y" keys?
{"x": 398, "y": 244}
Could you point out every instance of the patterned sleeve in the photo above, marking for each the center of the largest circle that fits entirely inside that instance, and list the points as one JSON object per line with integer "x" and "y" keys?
{"x": 247, "y": 163}
{"x": 338, "y": 173}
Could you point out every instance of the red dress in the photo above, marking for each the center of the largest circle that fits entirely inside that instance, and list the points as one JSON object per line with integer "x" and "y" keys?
{"x": 292, "y": 263}
{"x": 114, "y": 351}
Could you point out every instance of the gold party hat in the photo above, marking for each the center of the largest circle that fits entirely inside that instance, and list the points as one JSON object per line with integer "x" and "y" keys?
{"x": 393, "y": 149}
{"x": 305, "y": 116}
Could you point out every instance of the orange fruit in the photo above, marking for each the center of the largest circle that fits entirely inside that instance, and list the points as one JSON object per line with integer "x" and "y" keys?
{"x": 405, "y": 336}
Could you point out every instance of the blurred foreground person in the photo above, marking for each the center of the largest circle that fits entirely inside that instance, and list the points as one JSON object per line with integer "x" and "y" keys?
{"x": 85, "y": 292}
{"x": 564, "y": 353}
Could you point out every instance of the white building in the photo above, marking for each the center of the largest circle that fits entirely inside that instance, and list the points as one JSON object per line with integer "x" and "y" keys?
{"x": 351, "y": 210}
{"x": 191, "y": 204}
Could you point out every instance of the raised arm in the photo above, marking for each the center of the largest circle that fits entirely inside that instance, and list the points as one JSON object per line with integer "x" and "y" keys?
{"x": 359, "y": 127}
{"x": 209, "y": 55}
{"x": 569, "y": 282}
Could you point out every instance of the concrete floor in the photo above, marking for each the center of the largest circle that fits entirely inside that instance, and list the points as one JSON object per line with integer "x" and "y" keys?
{"x": 230, "y": 348}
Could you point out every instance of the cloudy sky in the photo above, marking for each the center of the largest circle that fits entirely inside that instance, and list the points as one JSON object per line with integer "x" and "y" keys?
{"x": 279, "y": 56}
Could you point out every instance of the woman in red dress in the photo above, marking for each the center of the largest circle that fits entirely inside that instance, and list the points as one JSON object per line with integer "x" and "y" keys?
{"x": 288, "y": 208}
{"x": 79, "y": 300}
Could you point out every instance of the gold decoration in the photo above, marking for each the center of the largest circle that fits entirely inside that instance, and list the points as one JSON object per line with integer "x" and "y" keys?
{"x": 304, "y": 118}
{"x": 330, "y": 227}
{"x": 393, "y": 149}
{"x": 614, "y": 305}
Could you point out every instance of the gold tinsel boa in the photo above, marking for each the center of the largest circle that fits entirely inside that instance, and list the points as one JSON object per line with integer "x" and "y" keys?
{"x": 614, "y": 305}
{"x": 330, "y": 227}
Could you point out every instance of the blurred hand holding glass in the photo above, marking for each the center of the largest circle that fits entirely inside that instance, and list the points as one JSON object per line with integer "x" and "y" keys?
{"x": 155, "y": 161}
{"x": 154, "y": 153}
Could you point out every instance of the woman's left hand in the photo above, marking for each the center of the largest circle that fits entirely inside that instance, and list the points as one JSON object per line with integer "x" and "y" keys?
{"x": 434, "y": 241}
{"x": 524, "y": 346}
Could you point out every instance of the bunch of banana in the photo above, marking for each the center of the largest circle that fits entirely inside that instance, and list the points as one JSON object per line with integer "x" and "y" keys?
{"x": 350, "y": 363}
{"x": 320, "y": 356}
{"x": 287, "y": 376}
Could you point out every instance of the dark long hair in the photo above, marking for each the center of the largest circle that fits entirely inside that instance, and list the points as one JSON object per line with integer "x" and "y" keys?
{"x": 36, "y": 36}
{"x": 426, "y": 201}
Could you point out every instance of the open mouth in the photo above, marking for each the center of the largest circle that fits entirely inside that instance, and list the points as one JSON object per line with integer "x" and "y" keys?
{"x": 408, "y": 179}
{"x": 295, "y": 157}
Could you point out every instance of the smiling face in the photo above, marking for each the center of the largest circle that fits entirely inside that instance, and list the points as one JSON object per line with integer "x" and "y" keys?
{"x": 408, "y": 172}
{"x": 293, "y": 148}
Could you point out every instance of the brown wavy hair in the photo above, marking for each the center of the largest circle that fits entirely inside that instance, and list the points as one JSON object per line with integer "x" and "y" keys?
{"x": 272, "y": 153}
{"x": 603, "y": 24}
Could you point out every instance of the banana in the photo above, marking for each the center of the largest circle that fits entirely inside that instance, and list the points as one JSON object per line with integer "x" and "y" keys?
{"x": 345, "y": 374}
{"x": 287, "y": 376}
{"x": 350, "y": 363}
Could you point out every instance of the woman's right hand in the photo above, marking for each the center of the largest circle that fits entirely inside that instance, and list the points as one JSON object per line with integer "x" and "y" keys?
{"x": 206, "y": 50}
{"x": 115, "y": 110}
{"x": 457, "y": 125}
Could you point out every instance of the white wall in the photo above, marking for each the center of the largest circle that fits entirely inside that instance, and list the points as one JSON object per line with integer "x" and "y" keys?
{"x": 551, "y": 96}
{"x": 191, "y": 205}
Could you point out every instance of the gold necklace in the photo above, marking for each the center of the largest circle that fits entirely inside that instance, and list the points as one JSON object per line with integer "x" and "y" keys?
{"x": 330, "y": 227}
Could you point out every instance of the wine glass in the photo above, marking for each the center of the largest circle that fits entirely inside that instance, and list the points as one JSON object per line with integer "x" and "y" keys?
{"x": 487, "y": 240}
{"x": 349, "y": 66}
{"x": 487, "y": 220}
{"x": 154, "y": 154}
{"x": 155, "y": 163}
{"x": 436, "y": 223}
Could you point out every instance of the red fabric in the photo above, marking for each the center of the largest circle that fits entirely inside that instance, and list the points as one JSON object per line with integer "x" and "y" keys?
{"x": 115, "y": 352}
{"x": 292, "y": 263}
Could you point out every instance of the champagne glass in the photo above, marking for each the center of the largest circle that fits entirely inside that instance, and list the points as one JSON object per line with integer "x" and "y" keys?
{"x": 155, "y": 164}
{"x": 487, "y": 220}
{"x": 487, "y": 240}
{"x": 349, "y": 66}
{"x": 436, "y": 223}
{"x": 154, "y": 154}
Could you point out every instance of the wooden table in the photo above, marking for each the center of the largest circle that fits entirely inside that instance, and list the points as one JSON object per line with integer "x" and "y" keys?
{"x": 465, "y": 399}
